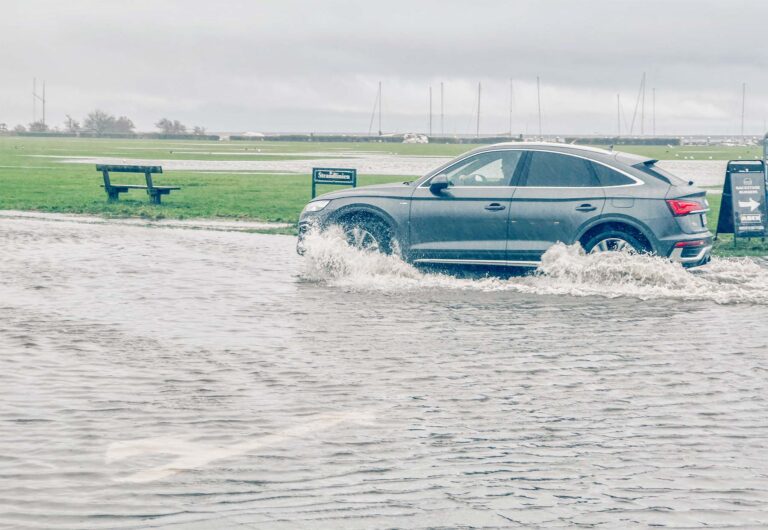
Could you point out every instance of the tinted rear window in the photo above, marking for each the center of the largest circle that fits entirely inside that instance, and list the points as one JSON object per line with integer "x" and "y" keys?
{"x": 556, "y": 170}
{"x": 610, "y": 177}
{"x": 650, "y": 168}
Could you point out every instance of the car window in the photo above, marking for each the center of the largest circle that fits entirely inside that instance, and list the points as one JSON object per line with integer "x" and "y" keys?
{"x": 558, "y": 170}
{"x": 650, "y": 168}
{"x": 610, "y": 177}
{"x": 494, "y": 168}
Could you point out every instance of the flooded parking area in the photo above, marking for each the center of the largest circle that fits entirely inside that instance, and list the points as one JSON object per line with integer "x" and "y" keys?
{"x": 193, "y": 378}
{"x": 705, "y": 173}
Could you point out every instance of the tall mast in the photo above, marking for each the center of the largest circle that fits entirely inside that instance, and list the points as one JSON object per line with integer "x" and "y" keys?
{"x": 618, "y": 114}
{"x": 34, "y": 99}
{"x": 477, "y": 132}
{"x": 442, "y": 110}
{"x": 430, "y": 110}
{"x": 44, "y": 104}
{"x": 642, "y": 107}
{"x": 654, "y": 110}
{"x": 379, "y": 108}
{"x": 511, "y": 102}
{"x": 743, "y": 102}
{"x": 538, "y": 99}
{"x": 373, "y": 112}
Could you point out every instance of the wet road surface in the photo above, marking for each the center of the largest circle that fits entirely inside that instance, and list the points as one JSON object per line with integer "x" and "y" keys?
{"x": 160, "y": 377}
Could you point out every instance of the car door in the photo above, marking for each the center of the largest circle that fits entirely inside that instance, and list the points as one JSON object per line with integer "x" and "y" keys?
{"x": 556, "y": 195}
{"x": 466, "y": 222}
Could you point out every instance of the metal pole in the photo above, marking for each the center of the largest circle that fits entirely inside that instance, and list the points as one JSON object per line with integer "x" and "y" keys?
{"x": 743, "y": 101}
{"x": 642, "y": 108}
{"x": 511, "y": 99}
{"x": 654, "y": 112}
{"x": 538, "y": 99}
{"x": 43, "y": 104}
{"x": 379, "y": 108}
{"x": 34, "y": 99}
{"x": 765, "y": 157}
{"x": 430, "y": 110}
{"x": 477, "y": 133}
{"x": 618, "y": 114}
{"x": 442, "y": 110}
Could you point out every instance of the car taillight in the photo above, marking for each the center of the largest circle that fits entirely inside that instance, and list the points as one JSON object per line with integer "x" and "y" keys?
{"x": 682, "y": 207}
{"x": 689, "y": 244}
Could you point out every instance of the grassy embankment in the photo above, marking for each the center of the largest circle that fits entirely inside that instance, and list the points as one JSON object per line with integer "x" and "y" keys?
{"x": 31, "y": 178}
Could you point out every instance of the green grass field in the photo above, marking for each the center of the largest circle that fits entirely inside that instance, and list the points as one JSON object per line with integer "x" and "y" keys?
{"x": 32, "y": 178}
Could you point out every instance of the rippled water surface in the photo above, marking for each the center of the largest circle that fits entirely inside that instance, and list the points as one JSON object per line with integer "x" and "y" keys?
{"x": 165, "y": 377}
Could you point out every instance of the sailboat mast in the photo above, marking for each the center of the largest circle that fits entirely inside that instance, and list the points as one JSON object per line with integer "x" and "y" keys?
{"x": 538, "y": 99}
{"x": 477, "y": 131}
{"x": 379, "y": 108}
{"x": 430, "y": 110}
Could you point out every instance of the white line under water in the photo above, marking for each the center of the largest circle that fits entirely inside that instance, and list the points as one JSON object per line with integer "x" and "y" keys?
{"x": 227, "y": 380}
{"x": 191, "y": 455}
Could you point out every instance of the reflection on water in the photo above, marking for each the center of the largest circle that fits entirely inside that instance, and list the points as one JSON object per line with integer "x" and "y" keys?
{"x": 165, "y": 377}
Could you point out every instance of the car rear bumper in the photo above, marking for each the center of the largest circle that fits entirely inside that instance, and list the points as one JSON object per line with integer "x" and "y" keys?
{"x": 692, "y": 252}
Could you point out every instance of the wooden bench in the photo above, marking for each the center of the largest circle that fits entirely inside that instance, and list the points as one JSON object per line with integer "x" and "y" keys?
{"x": 114, "y": 190}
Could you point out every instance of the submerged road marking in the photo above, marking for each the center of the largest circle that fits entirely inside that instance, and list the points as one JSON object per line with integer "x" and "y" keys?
{"x": 192, "y": 455}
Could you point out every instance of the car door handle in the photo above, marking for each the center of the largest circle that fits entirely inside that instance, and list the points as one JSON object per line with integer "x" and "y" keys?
{"x": 586, "y": 208}
{"x": 495, "y": 207}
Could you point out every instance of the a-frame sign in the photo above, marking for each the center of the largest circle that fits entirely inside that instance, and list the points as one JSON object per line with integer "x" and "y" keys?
{"x": 743, "y": 210}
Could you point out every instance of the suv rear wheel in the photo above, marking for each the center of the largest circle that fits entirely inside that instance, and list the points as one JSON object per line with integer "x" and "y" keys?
{"x": 614, "y": 240}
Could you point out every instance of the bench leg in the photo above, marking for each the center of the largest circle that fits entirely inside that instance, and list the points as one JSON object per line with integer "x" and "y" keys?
{"x": 113, "y": 196}
{"x": 154, "y": 198}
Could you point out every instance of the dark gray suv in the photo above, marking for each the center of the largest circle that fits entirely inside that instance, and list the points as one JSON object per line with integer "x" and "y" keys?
{"x": 506, "y": 204}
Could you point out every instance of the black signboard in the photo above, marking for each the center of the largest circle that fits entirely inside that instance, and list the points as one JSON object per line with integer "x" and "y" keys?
{"x": 331, "y": 175}
{"x": 742, "y": 210}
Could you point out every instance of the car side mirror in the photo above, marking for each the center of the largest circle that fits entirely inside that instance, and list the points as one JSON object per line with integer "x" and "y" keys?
{"x": 438, "y": 184}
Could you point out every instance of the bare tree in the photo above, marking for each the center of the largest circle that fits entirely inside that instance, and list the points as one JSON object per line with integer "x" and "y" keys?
{"x": 71, "y": 125}
{"x": 198, "y": 131}
{"x": 101, "y": 122}
{"x": 38, "y": 126}
{"x": 171, "y": 126}
{"x": 123, "y": 124}
{"x": 19, "y": 129}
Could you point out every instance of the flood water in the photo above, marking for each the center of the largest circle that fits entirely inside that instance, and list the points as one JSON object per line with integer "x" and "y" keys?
{"x": 708, "y": 173}
{"x": 177, "y": 378}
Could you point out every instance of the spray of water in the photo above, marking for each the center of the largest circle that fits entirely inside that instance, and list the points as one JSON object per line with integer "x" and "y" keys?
{"x": 565, "y": 270}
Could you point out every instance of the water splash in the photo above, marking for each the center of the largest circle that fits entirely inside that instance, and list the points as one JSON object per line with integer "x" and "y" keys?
{"x": 565, "y": 270}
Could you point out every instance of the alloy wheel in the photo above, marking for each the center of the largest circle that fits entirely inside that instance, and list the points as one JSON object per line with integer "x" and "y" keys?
{"x": 612, "y": 244}
{"x": 361, "y": 239}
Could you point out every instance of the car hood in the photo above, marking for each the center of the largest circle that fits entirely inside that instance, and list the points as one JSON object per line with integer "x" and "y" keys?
{"x": 395, "y": 189}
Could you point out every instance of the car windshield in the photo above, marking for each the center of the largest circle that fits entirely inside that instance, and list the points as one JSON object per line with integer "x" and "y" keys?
{"x": 650, "y": 168}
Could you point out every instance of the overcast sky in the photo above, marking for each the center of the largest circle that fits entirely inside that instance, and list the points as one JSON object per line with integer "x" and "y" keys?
{"x": 282, "y": 65}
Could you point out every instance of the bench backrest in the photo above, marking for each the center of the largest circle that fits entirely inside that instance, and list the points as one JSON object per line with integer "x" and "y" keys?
{"x": 147, "y": 170}
{"x": 130, "y": 169}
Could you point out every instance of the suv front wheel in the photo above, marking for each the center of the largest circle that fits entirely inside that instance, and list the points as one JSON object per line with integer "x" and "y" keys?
{"x": 368, "y": 234}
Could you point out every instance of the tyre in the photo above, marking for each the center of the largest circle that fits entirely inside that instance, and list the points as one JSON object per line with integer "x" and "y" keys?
{"x": 368, "y": 234}
{"x": 615, "y": 240}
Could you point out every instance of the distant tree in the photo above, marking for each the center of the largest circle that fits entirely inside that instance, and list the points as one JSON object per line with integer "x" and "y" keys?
{"x": 198, "y": 131}
{"x": 3, "y": 128}
{"x": 171, "y": 126}
{"x": 19, "y": 129}
{"x": 38, "y": 126}
{"x": 71, "y": 125}
{"x": 99, "y": 122}
{"x": 123, "y": 124}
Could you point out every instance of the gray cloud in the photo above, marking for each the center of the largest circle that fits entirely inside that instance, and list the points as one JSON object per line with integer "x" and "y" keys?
{"x": 290, "y": 65}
